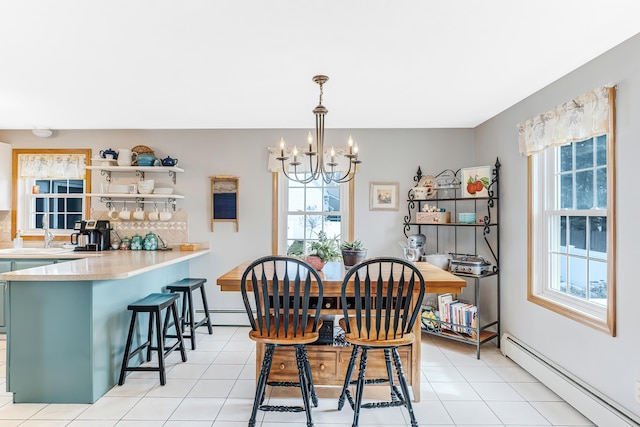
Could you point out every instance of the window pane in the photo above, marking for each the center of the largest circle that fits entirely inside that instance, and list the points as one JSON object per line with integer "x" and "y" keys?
{"x": 577, "y": 235}
{"x": 577, "y": 277}
{"x": 566, "y": 158}
{"x": 314, "y": 200}
{"x": 601, "y": 150}
{"x": 601, "y": 188}
{"x": 332, "y": 225}
{"x": 332, "y": 199}
{"x": 295, "y": 226}
{"x": 563, "y": 234}
{"x": 313, "y": 226}
{"x": 295, "y": 247}
{"x": 296, "y": 199}
{"x": 598, "y": 237}
{"x": 558, "y": 274}
{"x": 584, "y": 189}
{"x": 598, "y": 282}
{"x": 566, "y": 191}
{"x": 584, "y": 154}
{"x": 74, "y": 205}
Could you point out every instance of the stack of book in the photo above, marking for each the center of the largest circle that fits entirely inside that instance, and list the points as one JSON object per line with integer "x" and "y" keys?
{"x": 457, "y": 316}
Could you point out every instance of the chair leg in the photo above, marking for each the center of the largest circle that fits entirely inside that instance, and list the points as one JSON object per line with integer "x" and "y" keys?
{"x": 150, "y": 336}
{"x": 160, "y": 344}
{"x": 347, "y": 380}
{"x": 360, "y": 387}
{"x": 183, "y": 351}
{"x": 191, "y": 321}
{"x": 127, "y": 349}
{"x": 205, "y": 305}
{"x": 262, "y": 382}
{"x": 394, "y": 391}
{"x": 304, "y": 386}
{"x": 311, "y": 387}
{"x": 405, "y": 387}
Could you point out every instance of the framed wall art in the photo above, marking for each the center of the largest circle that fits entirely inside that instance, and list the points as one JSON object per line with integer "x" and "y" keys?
{"x": 475, "y": 181}
{"x": 383, "y": 196}
{"x": 224, "y": 199}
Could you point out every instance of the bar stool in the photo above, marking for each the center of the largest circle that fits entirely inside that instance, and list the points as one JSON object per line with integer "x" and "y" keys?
{"x": 280, "y": 288}
{"x": 388, "y": 297}
{"x": 153, "y": 304}
{"x": 186, "y": 288}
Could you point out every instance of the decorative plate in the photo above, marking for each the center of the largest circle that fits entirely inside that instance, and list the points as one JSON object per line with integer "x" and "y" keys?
{"x": 142, "y": 149}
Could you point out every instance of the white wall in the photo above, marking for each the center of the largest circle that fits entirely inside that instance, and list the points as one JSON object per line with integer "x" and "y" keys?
{"x": 387, "y": 155}
{"x": 607, "y": 363}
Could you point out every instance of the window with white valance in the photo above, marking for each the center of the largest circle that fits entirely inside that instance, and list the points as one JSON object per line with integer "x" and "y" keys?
{"x": 49, "y": 183}
{"x": 572, "y": 208}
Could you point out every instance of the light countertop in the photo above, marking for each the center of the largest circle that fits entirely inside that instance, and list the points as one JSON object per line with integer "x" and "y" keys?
{"x": 106, "y": 265}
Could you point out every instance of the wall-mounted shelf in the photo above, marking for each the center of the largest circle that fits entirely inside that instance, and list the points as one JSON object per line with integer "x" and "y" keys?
{"x": 139, "y": 170}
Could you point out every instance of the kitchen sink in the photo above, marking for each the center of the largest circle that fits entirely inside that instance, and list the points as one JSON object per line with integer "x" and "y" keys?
{"x": 34, "y": 251}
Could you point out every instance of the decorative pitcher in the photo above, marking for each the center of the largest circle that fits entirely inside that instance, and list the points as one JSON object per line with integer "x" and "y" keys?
{"x": 126, "y": 157}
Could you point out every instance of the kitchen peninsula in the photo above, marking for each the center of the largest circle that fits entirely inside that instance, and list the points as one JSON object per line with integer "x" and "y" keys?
{"x": 68, "y": 321}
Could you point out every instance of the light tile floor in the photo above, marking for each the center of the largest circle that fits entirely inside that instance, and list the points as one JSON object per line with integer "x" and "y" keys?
{"x": 216, "y": 386}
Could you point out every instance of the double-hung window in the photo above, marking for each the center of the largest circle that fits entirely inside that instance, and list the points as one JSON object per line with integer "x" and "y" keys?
{"x": 571, "y": 218}
{"x": 310, "y": 209}
{"x": 49, "y": 183}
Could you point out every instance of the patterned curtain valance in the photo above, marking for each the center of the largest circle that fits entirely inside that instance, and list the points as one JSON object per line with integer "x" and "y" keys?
{"x": 51, "y": 166}
{"x": 581, "y": 118}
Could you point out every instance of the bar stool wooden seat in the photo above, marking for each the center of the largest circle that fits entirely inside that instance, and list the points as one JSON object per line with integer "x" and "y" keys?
{"x": 388, "y": 296}
{"x": 281, "y": 287}
{"x": 186, "y": 287}
{"x": 153, "y": 304}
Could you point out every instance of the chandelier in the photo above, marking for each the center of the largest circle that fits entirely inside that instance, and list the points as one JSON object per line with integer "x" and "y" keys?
{"x": 318, "y": 168}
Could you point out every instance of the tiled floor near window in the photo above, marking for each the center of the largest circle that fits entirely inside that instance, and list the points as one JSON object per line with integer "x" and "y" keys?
{"x": 215, "y": 388}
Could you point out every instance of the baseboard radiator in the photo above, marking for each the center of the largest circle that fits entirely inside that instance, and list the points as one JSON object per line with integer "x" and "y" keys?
{"x": 601, "y": 410}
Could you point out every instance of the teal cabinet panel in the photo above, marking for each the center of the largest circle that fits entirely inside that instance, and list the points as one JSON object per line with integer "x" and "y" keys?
{"x": 5, "y": 266}
{"x": 30, "y": 263}
{"x": 3, "y": 314}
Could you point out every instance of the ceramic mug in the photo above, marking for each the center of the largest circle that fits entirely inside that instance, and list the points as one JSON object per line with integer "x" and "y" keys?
{"x": 113, "y": 214}
{"x": 154, "y": 215}
{"x": 165, "y": 215}
{"x": 138, "y": 214}
{"x": 420, "y": 193}
{"x": 125, "y": 213}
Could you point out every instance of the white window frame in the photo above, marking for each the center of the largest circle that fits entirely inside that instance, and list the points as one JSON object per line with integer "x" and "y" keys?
{"x": 542, "y": 214}
{"x": 281, "y": 212}
{"x": 23, "y": 199}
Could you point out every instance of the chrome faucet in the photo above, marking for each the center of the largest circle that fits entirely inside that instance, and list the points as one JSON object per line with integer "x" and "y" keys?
{"x": 48, "y": 235}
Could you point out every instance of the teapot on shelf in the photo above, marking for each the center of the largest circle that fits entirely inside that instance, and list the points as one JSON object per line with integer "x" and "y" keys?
{"x": 168, "y": 161}
{"x": 146, "y": 159}
{"x": 109, "y": 154}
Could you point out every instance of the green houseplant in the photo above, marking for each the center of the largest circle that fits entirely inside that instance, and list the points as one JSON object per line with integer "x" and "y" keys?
{"x": 323, "y": 250}
{"x": 352, "y": 253}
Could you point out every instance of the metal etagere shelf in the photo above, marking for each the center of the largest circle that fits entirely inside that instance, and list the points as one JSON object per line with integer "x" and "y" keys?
{"x": 487, "y": 228}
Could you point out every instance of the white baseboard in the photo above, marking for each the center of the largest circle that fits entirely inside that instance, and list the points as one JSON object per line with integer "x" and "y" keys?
{"x": 591, "y": 403}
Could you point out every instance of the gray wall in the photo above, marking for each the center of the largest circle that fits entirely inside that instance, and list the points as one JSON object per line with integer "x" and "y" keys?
{"x": 610, "y": 364}
{"x": 387, "y": 155}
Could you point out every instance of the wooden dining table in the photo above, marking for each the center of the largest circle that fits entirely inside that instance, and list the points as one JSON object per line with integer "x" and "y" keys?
{"x": 328, "y": 363}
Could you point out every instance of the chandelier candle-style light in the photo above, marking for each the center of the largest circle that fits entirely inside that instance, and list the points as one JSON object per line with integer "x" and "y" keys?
{"x": 317, "y": 166}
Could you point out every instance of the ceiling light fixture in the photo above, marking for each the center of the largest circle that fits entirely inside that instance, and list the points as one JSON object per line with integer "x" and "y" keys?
{"x": 42, "y": 133}
{"x": 330, "y": 171}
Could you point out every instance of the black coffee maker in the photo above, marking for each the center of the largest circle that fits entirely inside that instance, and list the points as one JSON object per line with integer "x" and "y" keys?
{"x": 92, "y": 235}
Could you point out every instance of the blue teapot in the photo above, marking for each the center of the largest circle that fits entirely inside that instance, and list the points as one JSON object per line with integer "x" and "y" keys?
{"x": 168, "y": 161}
{"x": 109, "y": 152}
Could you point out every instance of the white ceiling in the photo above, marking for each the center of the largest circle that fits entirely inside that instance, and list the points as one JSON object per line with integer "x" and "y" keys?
{"x": 199, "y": 64}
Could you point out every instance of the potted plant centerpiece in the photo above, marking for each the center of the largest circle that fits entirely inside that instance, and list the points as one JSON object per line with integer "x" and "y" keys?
{"x": 353, "y": 253}
{"x": 323, "y": 250}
